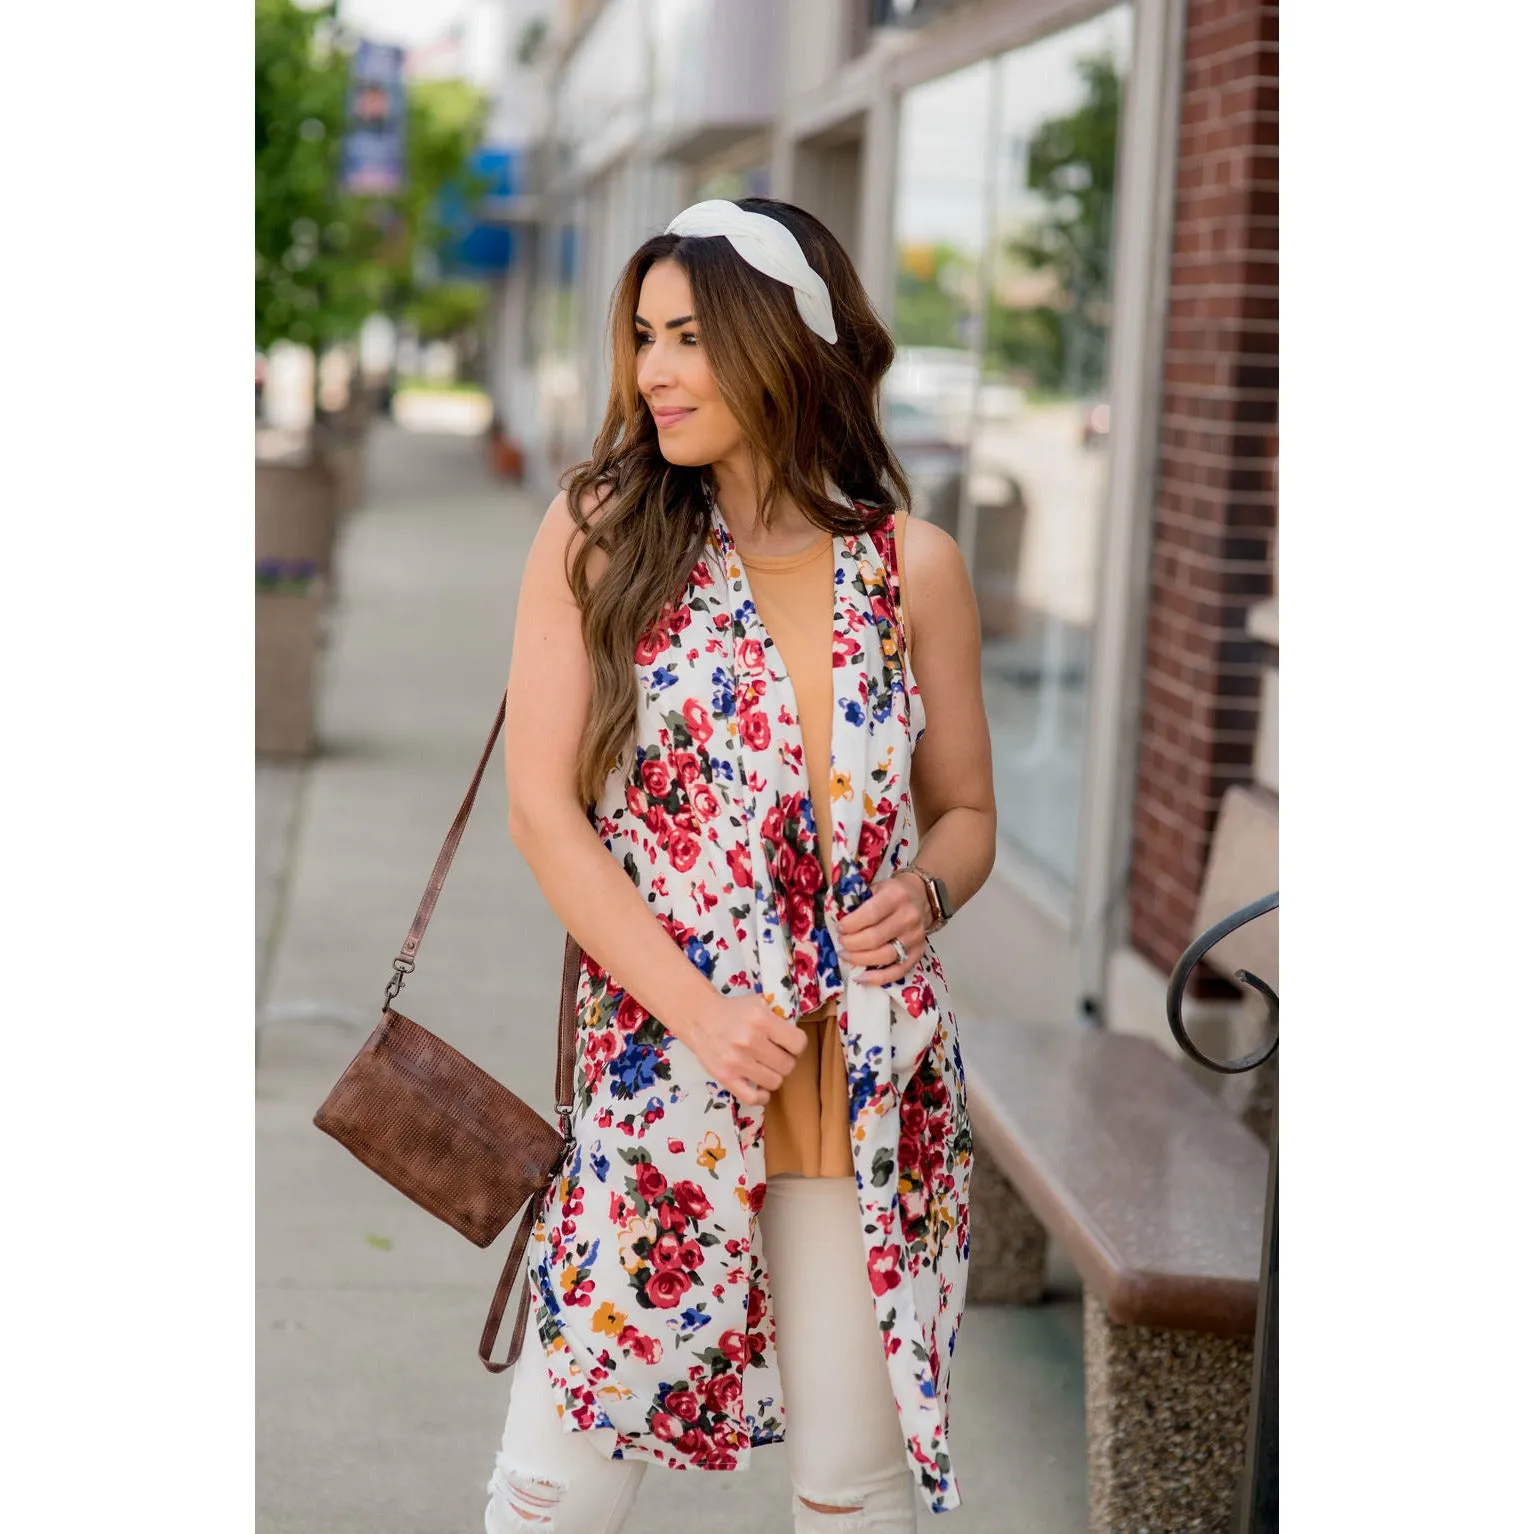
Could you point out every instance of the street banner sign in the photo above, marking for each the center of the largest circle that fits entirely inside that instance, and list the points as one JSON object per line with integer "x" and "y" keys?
{"x": 373, "y": 152}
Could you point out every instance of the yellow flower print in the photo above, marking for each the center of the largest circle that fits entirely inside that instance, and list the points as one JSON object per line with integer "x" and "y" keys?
{"x": 711, "y": 1154}
{"x": 841, "y": 785}
{"x": 887, "y": 644}
{"x": 870, "y": 809}
{"x": 608, "y": 1320}
{"x": 637, "y": 1229}
{"x": 569, "y": 1277}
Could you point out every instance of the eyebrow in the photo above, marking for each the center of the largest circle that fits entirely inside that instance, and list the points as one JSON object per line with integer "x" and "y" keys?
{"x": 686, "y": 319}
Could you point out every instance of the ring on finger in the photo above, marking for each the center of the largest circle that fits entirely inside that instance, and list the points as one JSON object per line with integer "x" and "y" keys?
{"x": 900, "y": 953}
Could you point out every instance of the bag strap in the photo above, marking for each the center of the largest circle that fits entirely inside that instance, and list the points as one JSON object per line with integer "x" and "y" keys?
{"x": 404, "y": 963}
{"x": 503, "y": 1293}
{"x": 564, "y": 1064}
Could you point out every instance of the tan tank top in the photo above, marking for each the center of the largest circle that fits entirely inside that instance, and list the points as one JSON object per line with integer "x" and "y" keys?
{"x": 805, "y": 1124}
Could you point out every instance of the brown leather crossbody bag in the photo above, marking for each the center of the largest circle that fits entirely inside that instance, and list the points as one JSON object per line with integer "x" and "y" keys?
{"x": 442, "y": 1131}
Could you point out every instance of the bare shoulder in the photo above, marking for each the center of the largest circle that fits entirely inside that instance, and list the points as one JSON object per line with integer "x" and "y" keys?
{"x": 561, "y": 535}
{"x": 937, "y": 588}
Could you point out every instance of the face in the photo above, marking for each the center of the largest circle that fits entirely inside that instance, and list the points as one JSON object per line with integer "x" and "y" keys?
{"x": 693, "y": 423}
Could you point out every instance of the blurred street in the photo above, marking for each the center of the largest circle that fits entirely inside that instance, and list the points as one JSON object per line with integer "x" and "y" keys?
{"x": 373, "y": 1414}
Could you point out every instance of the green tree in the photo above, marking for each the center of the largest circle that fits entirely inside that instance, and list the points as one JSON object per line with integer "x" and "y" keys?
{"x": 318, "y": 273}
{"x": 1071, "y": 164}
{"x": 445, "y": 125}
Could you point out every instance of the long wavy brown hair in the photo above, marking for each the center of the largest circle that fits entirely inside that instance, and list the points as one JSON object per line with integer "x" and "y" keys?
{"x": 808, "y": 411}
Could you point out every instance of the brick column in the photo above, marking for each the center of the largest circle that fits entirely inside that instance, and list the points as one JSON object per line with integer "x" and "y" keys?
{"x": 1215, "y": 517}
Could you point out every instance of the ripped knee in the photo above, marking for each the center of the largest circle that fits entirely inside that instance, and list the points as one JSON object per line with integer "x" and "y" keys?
{"x": 824, "y": 1507}
{"x": 529, "y": 1498}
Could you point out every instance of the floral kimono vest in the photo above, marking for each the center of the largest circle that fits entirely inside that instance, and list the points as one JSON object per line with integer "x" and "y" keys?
{"x": 651, "y": 1293}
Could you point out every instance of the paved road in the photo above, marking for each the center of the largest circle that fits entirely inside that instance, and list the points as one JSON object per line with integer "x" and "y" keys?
{"x": 373, "y": 1414}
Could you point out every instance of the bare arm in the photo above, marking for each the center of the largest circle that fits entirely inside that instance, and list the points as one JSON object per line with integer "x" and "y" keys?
{"x": 548, "y": 697}
{"x": 951, "y": 783}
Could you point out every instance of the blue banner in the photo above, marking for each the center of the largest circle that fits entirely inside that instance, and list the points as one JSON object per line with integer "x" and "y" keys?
{"x": 373, "y": 152}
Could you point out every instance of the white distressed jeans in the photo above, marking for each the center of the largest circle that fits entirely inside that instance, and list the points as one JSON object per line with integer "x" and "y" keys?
{"x": 844, "y": 1443}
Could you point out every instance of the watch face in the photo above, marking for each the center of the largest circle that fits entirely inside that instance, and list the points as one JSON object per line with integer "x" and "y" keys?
{"x": 942, "y": 897}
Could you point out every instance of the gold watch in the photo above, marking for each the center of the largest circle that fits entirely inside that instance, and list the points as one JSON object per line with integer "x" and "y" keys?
{"x": 938, "y": 907}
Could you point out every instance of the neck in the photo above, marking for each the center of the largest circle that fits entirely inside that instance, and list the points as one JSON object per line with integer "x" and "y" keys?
{"x": 738, "y": 491}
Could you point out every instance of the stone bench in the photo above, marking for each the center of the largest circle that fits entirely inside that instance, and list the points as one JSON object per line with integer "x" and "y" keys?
{"x": 1155, "y": 1191}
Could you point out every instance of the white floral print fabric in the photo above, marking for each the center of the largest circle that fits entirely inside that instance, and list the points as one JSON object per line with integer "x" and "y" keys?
{"x": 651, "y": 1296}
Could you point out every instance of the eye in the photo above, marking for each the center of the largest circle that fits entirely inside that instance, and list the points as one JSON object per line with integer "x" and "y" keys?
{"x": 689, "y": 338}
{"x": 642, "y": 338}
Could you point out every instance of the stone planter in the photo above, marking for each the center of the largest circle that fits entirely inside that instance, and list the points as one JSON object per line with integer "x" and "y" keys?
{"x": 297, "y": 509}
{"x": 287, "y": 647}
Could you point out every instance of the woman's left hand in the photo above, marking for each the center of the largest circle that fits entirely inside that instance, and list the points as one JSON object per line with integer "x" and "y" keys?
{"x": 896, "y": 908}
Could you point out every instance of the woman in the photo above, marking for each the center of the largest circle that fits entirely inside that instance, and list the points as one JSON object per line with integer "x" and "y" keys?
{"x": 761, "y": 1233}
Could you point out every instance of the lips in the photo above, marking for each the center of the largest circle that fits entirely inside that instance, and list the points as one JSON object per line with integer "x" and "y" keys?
{"x": 668, "y": 415}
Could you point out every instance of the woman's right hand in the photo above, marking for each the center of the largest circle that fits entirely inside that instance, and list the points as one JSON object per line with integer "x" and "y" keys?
{"x": 746, "y": 1047}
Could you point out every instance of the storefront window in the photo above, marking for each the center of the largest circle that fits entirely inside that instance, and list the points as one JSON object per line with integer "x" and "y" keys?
{"x": 998, "y": 401}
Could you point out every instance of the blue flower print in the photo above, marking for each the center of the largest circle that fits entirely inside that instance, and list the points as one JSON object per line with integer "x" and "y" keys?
{"x": 701, "y": 955}
{"x": 853, "y": 710}
{"x": 662, "y": 678}
{"x": 634, "y": 1068}
{"x": 600, "y": 1165}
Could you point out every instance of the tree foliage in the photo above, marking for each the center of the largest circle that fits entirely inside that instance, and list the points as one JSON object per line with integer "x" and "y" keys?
{"x": 1071, "y": 165}
{"x": 317, "y": 272}
{"x": 326, "y": 260}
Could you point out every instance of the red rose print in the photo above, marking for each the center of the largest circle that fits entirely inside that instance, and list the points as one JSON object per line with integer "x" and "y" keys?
{"x": 756, "y": 1306}
{"x": 756, "y": 729}
{"x": 683, "y": 1404}
{"x": 666, "y": 1252}
{"x": 667, "y": 1289}
{"x": 756, "y": 1197}
{"x": 691, "y": 1198}
{"x": 884, "y": 1269}
{"x": 801, "y": 915}
{"x": 656, "y": 776}
{"x": 676, "y": 1147}
{"x": 665, "y": 1427}
{"x": 669, "y": 1217}
{"x": 872, "y": 840}
{"x": 630, "y": 1016}
{"x": 722, "y": 1392}
{"x": 752, "y": 656}
{"x": 734, "y": 1346}
{"x": 651, "y": 1181}
{"x": 655, "y": 820}
{"x": 691, "y": 1256}
{"x": 686, "y": 767}
{"x": 772, "y": 824}
{"x": 740, "y": 866}
{"x": 757, "y": 1343}
{"x": 784, "y": 864}
{"x": 692, "y": 1441}
{"x": 636, "y": 801}
{"x": 705, "y": 801}
{"x": 684, "y": 850}
{"x": 808, "y": 874}
{"x": 603, "y": 1047}
{"x": 806, "y": 976}
{"x": 699, "y": 725}
{"x": 650, "y": 646}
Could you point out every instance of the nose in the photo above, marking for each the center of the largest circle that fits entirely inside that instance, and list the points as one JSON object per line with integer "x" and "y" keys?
{"x": 655, "y": 370}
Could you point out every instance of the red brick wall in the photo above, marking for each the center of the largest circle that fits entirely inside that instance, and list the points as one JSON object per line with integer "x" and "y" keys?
{"x": 1211, "y": 553}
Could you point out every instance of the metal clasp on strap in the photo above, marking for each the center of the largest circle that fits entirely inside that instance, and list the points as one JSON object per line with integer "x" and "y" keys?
{"x": 402, "y": 967}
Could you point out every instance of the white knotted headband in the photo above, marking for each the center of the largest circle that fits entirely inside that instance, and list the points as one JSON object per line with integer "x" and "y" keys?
{"x": 767, "y": 245}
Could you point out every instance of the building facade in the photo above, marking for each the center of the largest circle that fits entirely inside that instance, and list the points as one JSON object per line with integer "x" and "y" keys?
{"x": 1067, "y": 212}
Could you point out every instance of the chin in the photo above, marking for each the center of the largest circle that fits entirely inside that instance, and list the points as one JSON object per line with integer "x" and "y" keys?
{"x": 682, "y": 456}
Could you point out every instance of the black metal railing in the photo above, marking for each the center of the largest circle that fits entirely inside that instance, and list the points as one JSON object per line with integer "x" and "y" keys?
{"x": 1257, "y": 1498}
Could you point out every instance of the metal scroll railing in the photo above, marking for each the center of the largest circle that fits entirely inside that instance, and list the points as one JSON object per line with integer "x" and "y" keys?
{"x": 1257, "y": 1499}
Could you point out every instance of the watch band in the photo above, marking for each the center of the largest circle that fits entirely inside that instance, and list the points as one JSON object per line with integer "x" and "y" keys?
{"x": 939, "y": 917}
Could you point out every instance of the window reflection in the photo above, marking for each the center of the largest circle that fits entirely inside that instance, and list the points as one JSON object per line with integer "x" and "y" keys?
{"x": 998, "y": 403}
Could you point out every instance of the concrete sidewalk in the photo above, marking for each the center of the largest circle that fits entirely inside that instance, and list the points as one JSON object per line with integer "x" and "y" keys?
{"x": 373, "y": 1415}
